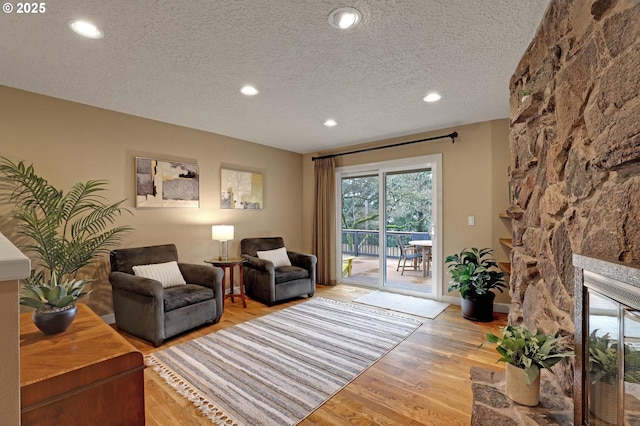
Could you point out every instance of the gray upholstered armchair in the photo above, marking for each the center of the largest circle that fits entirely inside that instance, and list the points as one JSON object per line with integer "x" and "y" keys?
{"x": 145, "y": 308}
{"x": 269, "y": 284}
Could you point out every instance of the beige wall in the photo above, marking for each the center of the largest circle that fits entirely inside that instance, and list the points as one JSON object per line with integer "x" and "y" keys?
{"x": 69, "y": 142}
{"x": 474, "y": 183}
{"x": 500, "y": 186}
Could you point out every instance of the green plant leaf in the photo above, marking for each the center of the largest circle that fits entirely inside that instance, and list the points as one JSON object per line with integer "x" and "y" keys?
{"x": 64, "y": 301}
{"x": 471, "y": 272}
{"x": 31, "y": 302}
{"x": 532, "y": 373}
{"x": 529, "y": 350}
{"x": 492, "y": 338}
{"x": 56, "y": 293}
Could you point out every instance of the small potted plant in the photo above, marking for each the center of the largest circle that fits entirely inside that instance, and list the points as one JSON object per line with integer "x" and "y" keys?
{"x": 526, "y": 353}
{"x": 63, "y": 232}
{"x": 475, "y": 274}
{"x": 52, "y": 297}
{"x": 604, "y": 374}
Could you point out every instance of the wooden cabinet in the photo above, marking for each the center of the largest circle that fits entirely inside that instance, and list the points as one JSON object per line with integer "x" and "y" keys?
{"x": 88, "y": 375}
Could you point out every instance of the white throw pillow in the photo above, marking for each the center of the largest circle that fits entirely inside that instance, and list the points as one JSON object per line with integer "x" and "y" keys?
{"x": 279, "y": 256}
{"x": 167, "y": 273}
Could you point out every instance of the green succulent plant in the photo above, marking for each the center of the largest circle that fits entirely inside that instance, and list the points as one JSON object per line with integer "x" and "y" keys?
{"x": 51, "y": 295}
{"x": 528, "y": 350}
{"x": 62, "y": 231}
{"x": 474, "y": 273}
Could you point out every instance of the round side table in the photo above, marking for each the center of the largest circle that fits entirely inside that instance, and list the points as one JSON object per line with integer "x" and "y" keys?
{"x": 229, "y": 265}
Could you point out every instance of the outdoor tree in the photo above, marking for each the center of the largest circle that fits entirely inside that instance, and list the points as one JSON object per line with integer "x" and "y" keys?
{"x": 360, "y": 206}
{"x": 408, "y": 204}
{"x": 360, "y": 203}
{"x": 409, "y": 201}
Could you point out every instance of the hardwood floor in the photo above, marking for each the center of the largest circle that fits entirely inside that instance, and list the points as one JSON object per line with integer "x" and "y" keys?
{"x": 423, "y": 381}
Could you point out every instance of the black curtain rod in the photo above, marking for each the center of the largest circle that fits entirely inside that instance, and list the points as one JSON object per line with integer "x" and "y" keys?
{"x": 453, "y": 137}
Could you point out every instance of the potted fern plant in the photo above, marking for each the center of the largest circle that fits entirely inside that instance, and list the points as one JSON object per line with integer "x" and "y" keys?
{"x": 475, "y": 274}
{"x": 63, "y": 232}
{"x": 526, "y": 353}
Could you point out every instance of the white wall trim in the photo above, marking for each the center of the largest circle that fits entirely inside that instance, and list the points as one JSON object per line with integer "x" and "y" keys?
{"x": 501, "y": 307}
{"x": 109, "y": 318}
{"x": 497, "y": 307}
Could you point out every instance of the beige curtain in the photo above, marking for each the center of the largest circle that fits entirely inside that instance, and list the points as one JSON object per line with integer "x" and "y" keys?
{"x": 325, "y": 178}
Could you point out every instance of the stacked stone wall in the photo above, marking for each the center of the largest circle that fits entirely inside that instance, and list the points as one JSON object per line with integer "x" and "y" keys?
{"x": 575, "y": 155}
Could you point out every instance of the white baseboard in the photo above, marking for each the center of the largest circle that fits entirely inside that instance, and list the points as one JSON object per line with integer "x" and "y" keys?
{"x": 109, "y": 318}
{"x": 497, "y": 307}
{"x": 501, "y": 307}
{"x": 453, "y": 300}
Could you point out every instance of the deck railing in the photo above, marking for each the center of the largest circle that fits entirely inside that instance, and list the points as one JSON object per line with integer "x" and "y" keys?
{"x": 365, "y": 243}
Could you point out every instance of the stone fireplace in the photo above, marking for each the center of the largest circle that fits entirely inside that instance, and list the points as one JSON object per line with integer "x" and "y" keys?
{"x": 575, "y": 157}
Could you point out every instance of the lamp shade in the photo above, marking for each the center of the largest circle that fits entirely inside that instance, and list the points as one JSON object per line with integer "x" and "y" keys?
{"x": 222, "y": 232}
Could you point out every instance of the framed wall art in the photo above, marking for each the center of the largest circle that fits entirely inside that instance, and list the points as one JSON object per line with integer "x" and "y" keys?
{"x": 241, "y": 190}
{"x": 166, "y": 184}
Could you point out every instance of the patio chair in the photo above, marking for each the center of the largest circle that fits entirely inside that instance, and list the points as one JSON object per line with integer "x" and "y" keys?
{"x": 408, "y": 253}
{"x": 423, "y": 236}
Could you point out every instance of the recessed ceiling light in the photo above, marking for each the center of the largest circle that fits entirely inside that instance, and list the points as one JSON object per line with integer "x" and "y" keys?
{"x": 432, "y": 97}
{"x": 249, "y": 91}
{"x": 330, "y": 123}
{"x": 85, "y": 29}
{"x": 344, "y": 17}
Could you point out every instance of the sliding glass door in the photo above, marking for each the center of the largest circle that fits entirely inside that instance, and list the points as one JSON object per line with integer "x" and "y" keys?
{"x": 360, "y": 227}
{"x": 408, "y": 214}
{"x": 389, "y": 214}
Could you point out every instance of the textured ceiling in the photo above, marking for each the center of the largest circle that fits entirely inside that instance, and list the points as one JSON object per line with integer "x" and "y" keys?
{"x": 183, "y": 62}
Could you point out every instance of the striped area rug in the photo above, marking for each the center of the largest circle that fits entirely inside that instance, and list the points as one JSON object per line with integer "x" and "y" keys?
{"x": 277, "y": 369}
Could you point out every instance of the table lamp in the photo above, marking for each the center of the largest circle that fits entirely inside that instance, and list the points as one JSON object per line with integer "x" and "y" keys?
{"x": 222, "y": 233}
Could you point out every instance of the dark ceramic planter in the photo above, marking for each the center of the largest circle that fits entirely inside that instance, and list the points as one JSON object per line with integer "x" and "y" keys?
{"x": 54, "y": 322}
{"x": 478, "y": 308}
